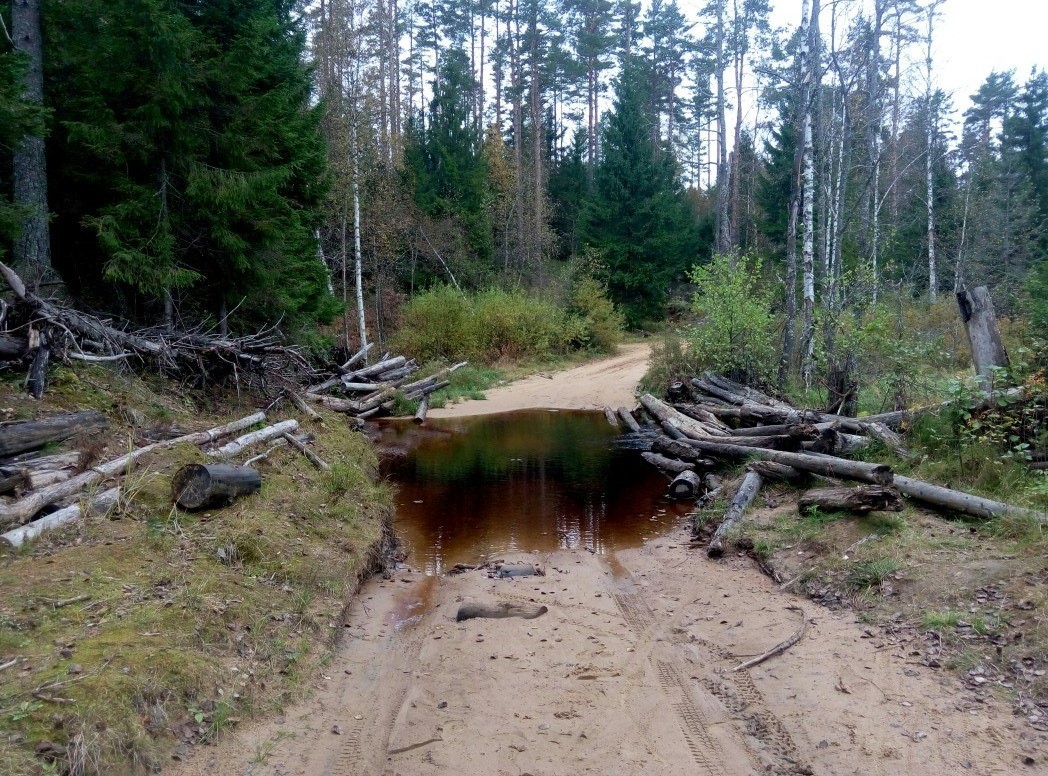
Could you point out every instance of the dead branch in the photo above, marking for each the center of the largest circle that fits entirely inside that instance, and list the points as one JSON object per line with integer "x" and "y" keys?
{"x": 778, "y": 649}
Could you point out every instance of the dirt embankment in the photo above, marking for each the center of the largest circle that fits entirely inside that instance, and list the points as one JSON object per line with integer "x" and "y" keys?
{"x": 609, "y": 382}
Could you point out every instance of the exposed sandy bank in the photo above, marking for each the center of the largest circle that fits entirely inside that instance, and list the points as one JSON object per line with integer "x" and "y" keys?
{"x": 609, "y": 382}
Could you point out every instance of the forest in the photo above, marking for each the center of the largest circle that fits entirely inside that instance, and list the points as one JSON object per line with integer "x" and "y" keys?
{"x": 319, "y": 165}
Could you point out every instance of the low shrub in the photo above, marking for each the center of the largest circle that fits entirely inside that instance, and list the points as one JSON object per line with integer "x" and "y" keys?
{"x": 495, "y": 325}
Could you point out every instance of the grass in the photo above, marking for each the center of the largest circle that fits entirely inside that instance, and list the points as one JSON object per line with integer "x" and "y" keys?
{"x": 871, "y": 573}
{"x": 193, "y": 621}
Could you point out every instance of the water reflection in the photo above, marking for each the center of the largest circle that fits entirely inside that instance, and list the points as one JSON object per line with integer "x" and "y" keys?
{"x": 535, "y": 480}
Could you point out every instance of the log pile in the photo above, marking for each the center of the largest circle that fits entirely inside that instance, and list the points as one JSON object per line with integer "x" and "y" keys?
{"x": 39, "y": 332}
{"x": 719, "y": 420}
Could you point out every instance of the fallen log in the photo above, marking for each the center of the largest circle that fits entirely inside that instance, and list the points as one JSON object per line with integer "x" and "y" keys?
{"x": 609, "y": 415}
{"x": 751, "y": 484}
{"x": 777, "y": 472}
{"x": 304, "y": 408}
{"x": 13, "y": 481}
{"x": 671, "y": 448}
{"x": 667, "y": 464}
{"x": 805, "y": 431}
{"x": 965, "y": 503}
{"x": 197, "y": 486}
{"x": 312, "y": 457}
{"x": 629, "y": 420}
{"x": 22, "y": 435}
{"x": 420, "y": 413}
{"x": 886, "y": 437}
{"x": 665, "y": 414}
{"x": 356, "y": 357}
{"x": 12, "y": 348}
{"x": 23, "y": 509}
{"x": 860, "y": 500}
{"x": 827, "y": 465}
{"x": 704, "y": 416}
{"x": 254, "y": 438}
{"x": 834, "y": 442}
{"x": 100, "y": 504}
{"x": 427, "y": 390}
{"x": 686, "y": 485}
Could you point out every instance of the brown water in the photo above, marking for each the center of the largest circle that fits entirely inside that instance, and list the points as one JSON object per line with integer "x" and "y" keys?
{"x": 471, "y": 488}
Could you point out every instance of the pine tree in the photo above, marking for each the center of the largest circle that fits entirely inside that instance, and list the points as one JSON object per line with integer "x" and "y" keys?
{"x": 639, "y": 219}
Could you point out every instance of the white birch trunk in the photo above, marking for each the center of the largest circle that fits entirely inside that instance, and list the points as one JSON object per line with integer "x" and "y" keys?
{"x": 933, "y": 280}
{"x": 808, "y": 221}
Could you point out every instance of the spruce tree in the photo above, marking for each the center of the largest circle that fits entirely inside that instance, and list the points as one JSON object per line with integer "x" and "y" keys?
{"x": 639, "y": 218}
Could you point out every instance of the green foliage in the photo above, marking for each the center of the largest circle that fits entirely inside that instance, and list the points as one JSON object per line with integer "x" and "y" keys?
{"x": 734, "y": 334}
{"x": 638, "y": 218}
{"x": 863, "y": 576}
{"x": 187, "y": 156}
{"x": 495, "y": 325}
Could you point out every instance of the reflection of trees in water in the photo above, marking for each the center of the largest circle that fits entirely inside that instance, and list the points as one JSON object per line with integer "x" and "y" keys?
{"x": 527, "y": 481}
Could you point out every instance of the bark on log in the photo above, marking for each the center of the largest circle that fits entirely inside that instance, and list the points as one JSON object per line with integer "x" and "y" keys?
{"x": 25, "y": 508}
{"x": 777, "y": 472}
{"x": 629, "y": 420}
{"x": 420, "y": 413}
{"x": 427, "y": 390}
{"x": 861, "y": 499}
{"x": 886, "y": 437}
{"x": 834, "y": 442}
{"x": 686, "y": 485}
{"x": 667, "y": 464}
{"x": 827, "y": 465}
{"x": 197, "y": 486}
{"x": 704, "y": 416}
{"x": 12, "y": 348}
{"x": 13, "y": 481}
{"x": 36, "y": 380}
{"x": 357, "y": 357}
{"x": 100, "y": 504}
{"x": 805, "y": 431}
{"x": 667, "y": 415}
{"x": 312, "y": 457}
{"x": 674, "y": 449}
{"x": 304, "y": 408}
{"x": 751, "y": 484}
{"x": 240, "y": 444}
{"x": 984, "y": 336}
{"x": 958, "y": 501}
{"x": 22, "y": 435}
{"x": 609, "y": 415}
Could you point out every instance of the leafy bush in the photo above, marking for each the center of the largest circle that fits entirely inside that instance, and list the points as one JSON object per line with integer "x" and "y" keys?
{"x": 735, "y": 331}
{"x": 495, "y": 325}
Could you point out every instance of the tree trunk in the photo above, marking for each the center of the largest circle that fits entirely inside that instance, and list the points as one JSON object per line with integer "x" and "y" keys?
{"x": 36, "y": 380}
{"x": 748, "y": 490}
{"x": 933, "y": 279}
{"x": 629, "y": 420}
{"x": 667, "y": 464}
{"x": 420, "y": 413}
{"x": 984, "y": 336}
{"x": 197, "y": 486}
{"x": 827, "y": 465}
{"x": 100, "y": 504}
{"x": 12, "y": 348}
{"x": 777, "y": 472}
{"x": 861, "y": 499}
{"x": 686, "y": 485}
{"x": 254, "y": 438}
{"x": 808, "y": 228}
{"x": 32, "y": 249}
{"x": 723, "y": 226}
{"x": 959, "y": 501}
{"x": 23, "y": 435}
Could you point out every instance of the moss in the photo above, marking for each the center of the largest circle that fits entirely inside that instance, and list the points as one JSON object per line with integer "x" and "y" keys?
{"x": 192, "y": 620}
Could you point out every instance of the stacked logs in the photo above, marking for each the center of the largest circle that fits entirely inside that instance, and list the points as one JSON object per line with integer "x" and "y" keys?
{"x": 726, "y": 421}
{"x": 367, "y": 391}
{"x": 41, "y": 491}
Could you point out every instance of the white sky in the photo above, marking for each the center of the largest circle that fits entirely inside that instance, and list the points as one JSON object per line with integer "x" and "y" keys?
{"x": 972, "y": 37}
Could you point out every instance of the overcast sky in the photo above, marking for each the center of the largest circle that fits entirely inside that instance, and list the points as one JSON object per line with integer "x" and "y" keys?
{"x": 972, "y": 37}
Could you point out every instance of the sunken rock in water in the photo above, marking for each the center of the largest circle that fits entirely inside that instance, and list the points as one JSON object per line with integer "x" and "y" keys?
{"x": 507, "y": 570}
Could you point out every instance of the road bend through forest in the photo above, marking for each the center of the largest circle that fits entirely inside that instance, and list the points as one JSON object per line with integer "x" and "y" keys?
{"x": 629, "y": 672}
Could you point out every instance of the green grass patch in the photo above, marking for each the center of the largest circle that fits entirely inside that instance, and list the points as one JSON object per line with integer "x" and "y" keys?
{"x": 863, "y": 576}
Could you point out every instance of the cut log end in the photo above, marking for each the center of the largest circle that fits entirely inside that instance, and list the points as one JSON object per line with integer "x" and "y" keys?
{"x": 686, "y": 485}
{"x": 197, "y": 486}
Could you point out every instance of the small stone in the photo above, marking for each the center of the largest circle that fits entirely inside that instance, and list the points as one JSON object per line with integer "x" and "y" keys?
{"x": 336, "y": 729}
{"x": 76, "y": 668}
{"x": 442, "y": 705}
{"x": 358, "y": 716}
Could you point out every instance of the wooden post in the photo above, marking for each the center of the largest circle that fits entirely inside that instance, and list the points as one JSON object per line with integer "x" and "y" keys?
{"x": 984, "y": 336}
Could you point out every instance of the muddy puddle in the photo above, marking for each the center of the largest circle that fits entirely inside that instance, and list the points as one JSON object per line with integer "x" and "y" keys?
{"x": 472, "y": 488}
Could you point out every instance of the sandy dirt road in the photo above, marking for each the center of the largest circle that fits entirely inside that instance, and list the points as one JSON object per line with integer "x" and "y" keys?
{"x": 609, "y": 382}
{"x": 628, "y": 673}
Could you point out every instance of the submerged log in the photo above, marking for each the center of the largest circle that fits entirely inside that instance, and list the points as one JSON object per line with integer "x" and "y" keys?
{"x": 420, "y": 413}
{"x": 667, "y": 464}
{"x": 629, "y": 420}
{"x": 686, "y": 485}
{"x": 609, "y": 415}
{"x": 966, "y": 503}
{"x": 197, "y": 486}
{"x": 860, "y": 499}
{"x": 100, "y": 504}
{"x": 751, "y": 484}
{"x": 828, "y": 465}
{"x": 22, "y": 435}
